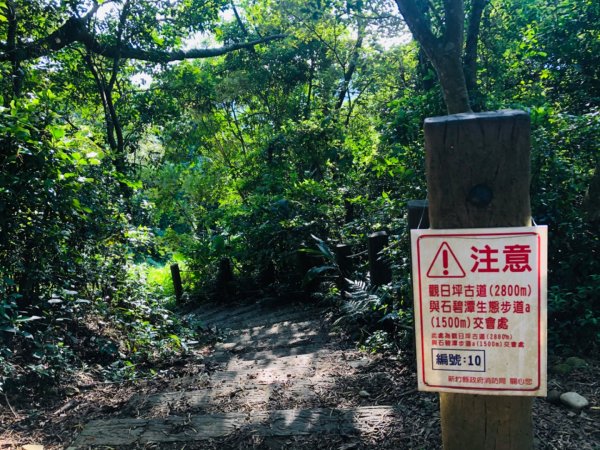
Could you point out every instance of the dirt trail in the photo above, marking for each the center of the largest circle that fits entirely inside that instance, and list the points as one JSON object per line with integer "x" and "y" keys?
{"x": 280, "y": 378}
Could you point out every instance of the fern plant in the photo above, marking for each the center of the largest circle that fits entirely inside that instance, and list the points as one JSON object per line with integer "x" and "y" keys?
{"x": 364, "y": 303}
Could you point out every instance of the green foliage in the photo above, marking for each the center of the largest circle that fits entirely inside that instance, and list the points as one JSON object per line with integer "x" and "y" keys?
{"x": 564, "y": 157}
{"x": 51, "y": 179}
{"x": 378, "y": 342}
{"x": 67, "y": 237}
{"x": 574, "y": 316}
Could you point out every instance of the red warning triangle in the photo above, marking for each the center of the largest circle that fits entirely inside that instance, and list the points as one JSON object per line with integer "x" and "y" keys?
{"x": 445, "y": 264}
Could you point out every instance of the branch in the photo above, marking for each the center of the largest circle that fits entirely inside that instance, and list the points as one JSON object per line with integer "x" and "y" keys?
{"x": 74, "y": 30}
{"x": 343, "y": 89}
{"x": 418, "y": 25}
{"x": 470, "y": 58}
{"x": 445, "y": 53}
{"x": 239, "y": 20}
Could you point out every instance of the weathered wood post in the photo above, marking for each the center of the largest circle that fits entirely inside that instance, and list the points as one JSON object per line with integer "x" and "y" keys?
{"x": 342, "y": 257}
{"x": 177, "y": 285}
{"x": 380, "y": 270}
{"x": 418, "y": 214}
{"x": 224, "y": 281}
{"x": 478, "y": 175}
{"x": 348, "y": 211}
{"x": 305, "y": 262}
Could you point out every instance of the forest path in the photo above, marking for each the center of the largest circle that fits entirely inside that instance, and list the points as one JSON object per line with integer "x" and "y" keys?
{"x": 279, "y": 378}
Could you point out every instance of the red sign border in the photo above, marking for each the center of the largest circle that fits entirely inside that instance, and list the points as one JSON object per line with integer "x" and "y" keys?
{"x": 539, "y": 295}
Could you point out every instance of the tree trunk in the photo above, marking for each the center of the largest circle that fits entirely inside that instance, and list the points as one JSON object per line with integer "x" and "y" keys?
{"x": 349, "y": 72}
{"x": 478, "y": 175}
{"x": 445, "y": 51}
{"x": 470, "y": 59}
{"x": 449, "y": 68}
{"x": 11, "y": 44}
{"x": 177, "y": 285}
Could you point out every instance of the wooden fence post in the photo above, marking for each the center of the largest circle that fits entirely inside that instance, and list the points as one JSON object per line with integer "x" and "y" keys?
{"x": 380, "y": 270}
{"x": 348, "y": 211}
{"x": 224, "y": 281}
{"x": 177, "y": 285}
{"x": 342, "y": 257}
{"x": 478, "y": 176}
{"x": 418, "y": 214}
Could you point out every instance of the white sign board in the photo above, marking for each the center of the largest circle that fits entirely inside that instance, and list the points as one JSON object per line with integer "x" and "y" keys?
{"x": 480, "y": 310}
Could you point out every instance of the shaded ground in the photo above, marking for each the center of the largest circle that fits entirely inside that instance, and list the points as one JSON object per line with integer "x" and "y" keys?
{"x": 278, "y": 378}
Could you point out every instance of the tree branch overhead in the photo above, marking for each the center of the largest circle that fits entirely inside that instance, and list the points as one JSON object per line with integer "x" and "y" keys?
{"x": 75, "y": 30}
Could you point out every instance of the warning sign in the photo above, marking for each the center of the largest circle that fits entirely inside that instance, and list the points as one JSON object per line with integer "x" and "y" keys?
{"x": 480, "y": 310}
{"x": 445, "y": 264}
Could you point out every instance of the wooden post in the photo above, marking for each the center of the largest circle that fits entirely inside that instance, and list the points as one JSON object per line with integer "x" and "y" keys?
{"x": 342, "y": 257}
{"x": 305, "y": 262}
{"x": 268, "y": 274}
{"x": 380, "y": 270}
{"x": 418, "y": 214}
{"x": 348, "y": 211}
{"x": 478, "y": 175}
{"x": 224, "y": 280}
{"x": 177, "y": 285}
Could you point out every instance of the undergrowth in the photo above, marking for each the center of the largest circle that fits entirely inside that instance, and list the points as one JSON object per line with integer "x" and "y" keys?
{"x": 121, "y": 337}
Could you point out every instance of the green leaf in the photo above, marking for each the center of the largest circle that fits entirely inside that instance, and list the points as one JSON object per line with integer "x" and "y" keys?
{"x": 315, "y": 272}
{"x": 57, "y": 132}
{"x": 28, "y": 319}
{"x": 175, "y": 339}
{"x": 218, "y": 244}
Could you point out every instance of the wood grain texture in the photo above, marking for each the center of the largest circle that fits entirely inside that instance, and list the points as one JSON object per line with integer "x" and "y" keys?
{"x": 267, "y": 423}
{"x": 280, "y": 335}
{"x": 467, "y": 150}
{"x": 486, "y": 422}
{"x": 233, "y": 396}
{"x": 261, "y": 376}
{"x": 248, "y": 386}
{"x": 249, "y": 394}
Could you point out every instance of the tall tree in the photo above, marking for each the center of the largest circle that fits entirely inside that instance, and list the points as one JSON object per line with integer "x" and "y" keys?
{"x": 442, "y": 38}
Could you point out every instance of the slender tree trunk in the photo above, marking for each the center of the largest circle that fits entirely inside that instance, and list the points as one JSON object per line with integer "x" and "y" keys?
{"x": 444, "y": 51}
{"x": 343, "y": 90}
{"x": 114, "y": 130}
{"x": 470, "y": 58}
{"x": 238, "y": 133}
{"x": 12, "y": 43}
{"x": 449, "y": 68}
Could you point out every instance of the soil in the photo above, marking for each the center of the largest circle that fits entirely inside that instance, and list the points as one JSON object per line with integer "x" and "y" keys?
{"x": 272, "y": 363}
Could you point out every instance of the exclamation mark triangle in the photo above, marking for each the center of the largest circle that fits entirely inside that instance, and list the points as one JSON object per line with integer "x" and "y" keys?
{"x": 445, "y": 264}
